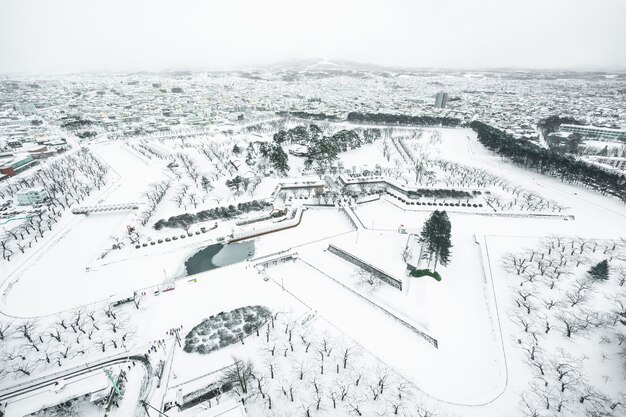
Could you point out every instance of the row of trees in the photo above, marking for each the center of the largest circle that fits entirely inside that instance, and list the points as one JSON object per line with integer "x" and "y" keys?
{"x": 308, "y": 115}
{"x": 549, "y": 162}
{"x": 402, "y": 119}
{"x": 28, "y": 346}
{"x": 186, "y": 220}
{"x": 22, "y": 236}
{"x": 438, "y": 172}
{"x": 68, "y": 180}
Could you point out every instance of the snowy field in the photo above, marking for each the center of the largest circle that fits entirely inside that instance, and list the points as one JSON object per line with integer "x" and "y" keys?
{"x": 488, "y": 317}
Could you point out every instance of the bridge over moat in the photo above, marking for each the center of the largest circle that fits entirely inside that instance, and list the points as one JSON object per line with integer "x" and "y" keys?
{"x": 103, "y": 208}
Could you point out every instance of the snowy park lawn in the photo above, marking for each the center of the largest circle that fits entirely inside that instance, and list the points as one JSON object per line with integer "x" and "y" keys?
{"x": 52, "y": 287}
{"x": 561, "y": 320}
{"x": 466, "y": 368}
{"x": 499, "y": 334}
{"x": 369, "y": 155}
{"x": 208, "y": 294}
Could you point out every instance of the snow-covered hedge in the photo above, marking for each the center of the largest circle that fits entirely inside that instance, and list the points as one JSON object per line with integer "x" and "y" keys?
{"x": 229, "y": 212}
{"x": 225, "y": 329}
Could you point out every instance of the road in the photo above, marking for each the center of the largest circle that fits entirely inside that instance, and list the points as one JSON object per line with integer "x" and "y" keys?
{"x": 39, "y": 383}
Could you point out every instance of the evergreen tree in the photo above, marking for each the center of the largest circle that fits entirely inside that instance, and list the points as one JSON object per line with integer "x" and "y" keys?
{"x": 298, "y": 134}
{"x": 236, "y": 150}
{"x": 599, "y": 271}
{"x": 280, "y": 136}
{"x": 279, "y": 159}
{"x": 436, "y": 233}
{"x": 206, "y": 184}
{"x": 323, "y": 152}
{"x": 314, "y": 132}
{"x": 265, "y": 149}
{"x": 234, "y": 183}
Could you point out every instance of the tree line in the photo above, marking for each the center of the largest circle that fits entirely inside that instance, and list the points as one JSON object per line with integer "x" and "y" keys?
{"x": 382, "y": 118}
{"x": 307, "y": 115}
{"x": 550, "y": 162}
{"x": 402, "y": 119}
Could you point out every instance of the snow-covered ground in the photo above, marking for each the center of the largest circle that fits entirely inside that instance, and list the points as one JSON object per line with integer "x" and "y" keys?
{"x": 478, "y": 368}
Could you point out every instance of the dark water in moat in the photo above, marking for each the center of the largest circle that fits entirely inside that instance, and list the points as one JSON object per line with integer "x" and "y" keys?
{"x": 218, "y": 255}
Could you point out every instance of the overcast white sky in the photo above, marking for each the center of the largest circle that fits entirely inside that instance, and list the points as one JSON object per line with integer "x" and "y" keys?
{"x": 85, "y": 35}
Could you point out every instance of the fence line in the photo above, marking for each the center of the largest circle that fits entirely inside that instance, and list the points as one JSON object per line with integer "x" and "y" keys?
{"x": 385, "y": 277}
{"x": 427, "y": 337}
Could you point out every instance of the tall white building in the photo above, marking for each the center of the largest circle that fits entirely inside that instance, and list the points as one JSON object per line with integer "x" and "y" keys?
{"x": 441, "y": 100}
{"x": 593, "y": 132}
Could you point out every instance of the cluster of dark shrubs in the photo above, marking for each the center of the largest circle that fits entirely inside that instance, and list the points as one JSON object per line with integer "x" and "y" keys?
{"x": 425, "y": 272}
{"x": 76, "y": 124}
{"x": 187, "y": 219}
{"x": 410, "y": 201}
{"x": 441, "y": 193}
{"x": 86, "y": 134}
{"x": 225, "y": 329}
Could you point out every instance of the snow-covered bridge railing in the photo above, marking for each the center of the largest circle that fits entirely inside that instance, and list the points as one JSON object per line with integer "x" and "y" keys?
{"x": 105, "y": 208}
{"x": 260, "y": 230}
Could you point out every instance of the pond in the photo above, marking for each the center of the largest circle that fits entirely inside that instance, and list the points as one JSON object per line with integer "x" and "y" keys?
{"x": 218, "y": 255}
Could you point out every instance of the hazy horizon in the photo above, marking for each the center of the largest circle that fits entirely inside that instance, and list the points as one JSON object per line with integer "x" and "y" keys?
{"x": 155, "y": 36}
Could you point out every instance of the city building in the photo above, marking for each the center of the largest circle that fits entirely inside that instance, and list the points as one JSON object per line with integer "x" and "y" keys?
{"x": 610, "y": 163}
{"x": 441, "y": 100}
{"x": 30, "y": 196}
{"x": 16, "y": 165}
{"x": 593, "y": 132}
{"x": 25, "y": 108}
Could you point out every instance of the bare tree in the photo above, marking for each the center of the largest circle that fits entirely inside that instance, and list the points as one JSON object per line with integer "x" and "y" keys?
{"x": 515, "y": 263}
{"x": 530, "y": 408}
{"x": 368, "y": 280}
{"x": 23, "y": 368}
{"x": 6, "y": 330}
{"x": 567, "y": 371}
{"x": 239, "y": 375}
{"x": 26, "y": 329}
{"x": 580, "y": 293}
{"x": 571, "y": 323}
{"x": 620, "y": 275}
{"x": 523, "y": 320}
